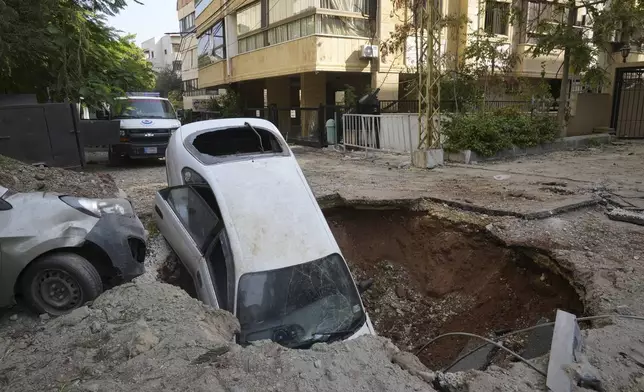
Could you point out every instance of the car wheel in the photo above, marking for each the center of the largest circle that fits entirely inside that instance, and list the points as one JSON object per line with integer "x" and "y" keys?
{"x": 59, "y": 283}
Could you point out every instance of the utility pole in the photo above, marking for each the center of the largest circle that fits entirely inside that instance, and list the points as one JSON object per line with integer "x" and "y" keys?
{"x": 565, "y": 78}
{"x": 429, "y": 77}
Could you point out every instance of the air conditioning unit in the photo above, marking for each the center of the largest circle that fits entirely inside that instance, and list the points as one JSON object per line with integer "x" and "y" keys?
{"x": 369, "y": 52}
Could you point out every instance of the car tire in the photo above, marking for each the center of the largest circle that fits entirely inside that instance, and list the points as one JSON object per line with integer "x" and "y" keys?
{"x": 59, "y": 283}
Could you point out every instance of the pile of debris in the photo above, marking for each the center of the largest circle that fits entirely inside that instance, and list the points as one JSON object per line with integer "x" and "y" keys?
{"x": 153, "y": 337}
{"x": 22, "y": 177}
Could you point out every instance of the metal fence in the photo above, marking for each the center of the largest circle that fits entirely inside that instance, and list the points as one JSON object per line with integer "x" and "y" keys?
{"x": 383, "y": 132}
{"x": 402, "y": 106}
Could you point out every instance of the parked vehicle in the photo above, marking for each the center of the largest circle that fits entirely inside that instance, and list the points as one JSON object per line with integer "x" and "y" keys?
{"x": 147, "y": 122}
{"x": 244, "y": 222}
{"x": 58, "y": 252}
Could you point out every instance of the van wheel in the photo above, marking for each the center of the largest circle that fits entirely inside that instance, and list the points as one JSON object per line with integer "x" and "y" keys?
{"x": 114, "y": 159}
{"x": 59, "y": 283}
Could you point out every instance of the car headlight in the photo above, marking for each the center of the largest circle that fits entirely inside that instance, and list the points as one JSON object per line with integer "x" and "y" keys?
{"x": 172, "y": 130}
{"x": 99, "y": 207}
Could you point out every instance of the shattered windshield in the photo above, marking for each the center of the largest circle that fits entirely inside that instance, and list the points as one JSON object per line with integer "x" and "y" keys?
{"x": 299, "y": 305}
{"x": 142, "y": 108}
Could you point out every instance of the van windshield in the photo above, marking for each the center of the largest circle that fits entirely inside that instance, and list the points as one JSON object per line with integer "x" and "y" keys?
{"x": 142, "y": 108}
{"x": 300, "y": 305}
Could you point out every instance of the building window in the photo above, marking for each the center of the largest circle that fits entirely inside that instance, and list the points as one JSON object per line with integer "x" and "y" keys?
{"x": 496, "y": 17}
{"x": 165, "y": 51}
{"x": 358, "y": 6}
{"x": 539, "y": 13}
{"x": 212, "y": 45}
{"x": 190, "y": 85}
{"x": 200, "y": 6}
{"x": 310, "y": 25}
{"x": 249, "y": 19}
{"x": 282, "y": 9}
{"x": 253, "y": 42}
{"x": 292, "y": 30}
{"x": 175, "y": 48}
{"x": 188, "y": 23}
{"x": 176, "y": 66}
{"x": 341, "y": 25}
{"x": 152, "y": 54}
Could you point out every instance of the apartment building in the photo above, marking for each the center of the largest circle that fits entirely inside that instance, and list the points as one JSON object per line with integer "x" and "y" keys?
{"x": 164, "y": 53}
{"x": 300, "y": 53}
{"x": 194, "y": 97}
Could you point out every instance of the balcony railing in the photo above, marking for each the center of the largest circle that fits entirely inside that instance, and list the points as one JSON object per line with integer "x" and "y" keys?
{"x": 199, "y": 92}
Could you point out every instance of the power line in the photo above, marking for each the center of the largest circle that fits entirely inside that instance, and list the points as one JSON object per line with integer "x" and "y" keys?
{"x": 498, "y": 344}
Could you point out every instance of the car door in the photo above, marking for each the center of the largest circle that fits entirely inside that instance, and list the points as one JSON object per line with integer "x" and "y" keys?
{"x": 189, "y": 225}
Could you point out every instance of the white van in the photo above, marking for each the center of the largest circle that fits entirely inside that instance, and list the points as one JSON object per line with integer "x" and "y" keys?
{"x": 147, "y": 122}
{"x": 246, "y": 225}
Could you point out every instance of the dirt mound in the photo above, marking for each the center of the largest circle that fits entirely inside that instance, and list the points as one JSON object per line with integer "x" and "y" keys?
{"x": 22, "y": 177}
{"x": 154, "y": 337}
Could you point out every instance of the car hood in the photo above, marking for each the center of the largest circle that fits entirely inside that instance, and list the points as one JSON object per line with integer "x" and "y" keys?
{"x": 150, "y": 123}
{"x": 274, "y": 217}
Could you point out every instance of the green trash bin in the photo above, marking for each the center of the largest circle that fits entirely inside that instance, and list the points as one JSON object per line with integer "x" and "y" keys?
{"x": 330, "y": 132}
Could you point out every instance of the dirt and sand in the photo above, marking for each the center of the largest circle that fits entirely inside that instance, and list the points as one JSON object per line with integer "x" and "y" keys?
{"x": 449, "y": 250}
{"x": 19, "y": 177}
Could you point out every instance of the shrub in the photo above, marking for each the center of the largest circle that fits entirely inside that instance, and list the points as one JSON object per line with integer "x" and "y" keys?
{"x": 488, "y": 132}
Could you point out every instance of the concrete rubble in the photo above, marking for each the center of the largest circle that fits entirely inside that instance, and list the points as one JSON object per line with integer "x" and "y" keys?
{"x": 150, "y": 336}
{"x": 154, "y": 337}
{"x": 619, "y": 214}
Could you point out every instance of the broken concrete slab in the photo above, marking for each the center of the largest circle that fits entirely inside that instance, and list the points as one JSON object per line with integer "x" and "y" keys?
{"x": 539, "y": 340}
{"x": 566, "y": 345}
{"x": 620, "y": 214}
{"x": 478, "y": 360}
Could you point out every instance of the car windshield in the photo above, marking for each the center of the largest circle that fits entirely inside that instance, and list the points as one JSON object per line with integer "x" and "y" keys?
{"x": 299, "y": 305}
{"x": 142, "y": 108}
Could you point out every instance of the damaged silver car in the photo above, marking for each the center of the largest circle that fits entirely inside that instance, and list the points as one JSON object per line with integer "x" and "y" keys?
{"x": 58, "y": 252}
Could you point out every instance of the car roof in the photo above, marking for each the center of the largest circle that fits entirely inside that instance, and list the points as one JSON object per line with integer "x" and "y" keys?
{"x": 189, "y": 129}
{"x": 270, "y": 213}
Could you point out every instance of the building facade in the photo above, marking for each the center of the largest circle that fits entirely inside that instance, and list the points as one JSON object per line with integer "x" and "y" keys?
{"x": 194, "y": 97}
{"x": 301, "y": 53}
{"x": 164, "y": 53}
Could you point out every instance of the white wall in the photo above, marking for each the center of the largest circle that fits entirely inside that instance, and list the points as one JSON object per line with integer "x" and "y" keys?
{"x": 160, "y": 52}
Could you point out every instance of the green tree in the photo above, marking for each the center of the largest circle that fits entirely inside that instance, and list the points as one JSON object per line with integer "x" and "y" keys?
{"x": 167, "y": 81}
{"x": 64, "y": 50}
{"x": 227, "y": 104}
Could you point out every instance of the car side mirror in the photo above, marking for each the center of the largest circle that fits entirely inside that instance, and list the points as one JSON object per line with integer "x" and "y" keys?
{"x": 102, "y": 115}
{"x": 365, "y": 285}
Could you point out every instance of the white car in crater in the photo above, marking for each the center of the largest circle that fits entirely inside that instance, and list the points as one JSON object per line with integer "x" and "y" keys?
{"x": 243, "y": 220}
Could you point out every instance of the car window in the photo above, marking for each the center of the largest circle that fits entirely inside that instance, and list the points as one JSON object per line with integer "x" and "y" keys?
{"x": 219, "y": 272}
{"x": 194, "y": 213}
{"x": 4, "y": 205}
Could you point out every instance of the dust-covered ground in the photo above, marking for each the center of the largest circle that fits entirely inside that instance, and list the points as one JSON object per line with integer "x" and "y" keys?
{"x": 21, "y": 177}
{"x": 154, "y": 337}
{"x": 591, "y": 265}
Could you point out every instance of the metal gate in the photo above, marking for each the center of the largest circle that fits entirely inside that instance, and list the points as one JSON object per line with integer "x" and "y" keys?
{"x": 51, "y": 133}
{"x": 627, "y": 116}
